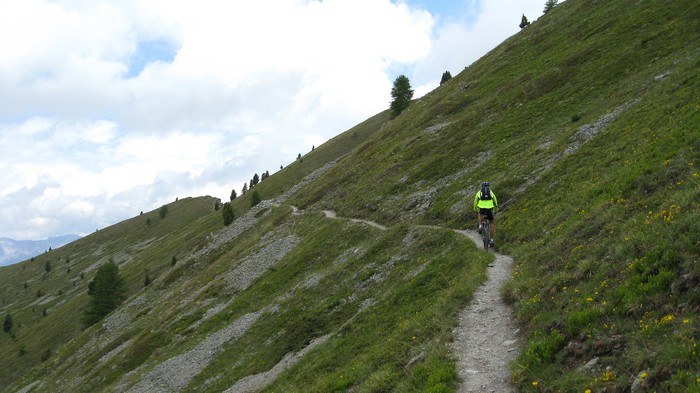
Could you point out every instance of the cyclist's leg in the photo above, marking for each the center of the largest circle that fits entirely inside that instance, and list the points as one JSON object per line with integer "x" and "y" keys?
{"x": 492, "y": 226}
{"x": 481, "y": 218}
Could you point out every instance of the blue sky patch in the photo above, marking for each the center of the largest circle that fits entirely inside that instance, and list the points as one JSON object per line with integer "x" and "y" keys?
{"x": 465, "y": 11}
{"x": 150, "y": 52}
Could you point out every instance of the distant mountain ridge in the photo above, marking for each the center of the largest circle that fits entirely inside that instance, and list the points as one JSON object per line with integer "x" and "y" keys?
{"x": 13, "y": 251}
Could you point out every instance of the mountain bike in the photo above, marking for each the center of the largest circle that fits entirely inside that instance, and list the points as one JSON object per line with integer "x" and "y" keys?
{"x": 486, "y": 232}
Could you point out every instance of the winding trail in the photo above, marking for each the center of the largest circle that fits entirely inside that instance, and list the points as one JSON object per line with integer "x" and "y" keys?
{"x": 331, "y": 214}
{"x": 487, "y": 338}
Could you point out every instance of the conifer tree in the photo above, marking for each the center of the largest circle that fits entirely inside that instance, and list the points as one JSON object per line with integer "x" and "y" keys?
{"x": 227, "y": 214}
{"x": 549, "y": 5}
{"x": 107, "y": 292}
{"x": 401, "y": 94}
{"x": 524, "y": 22}
{"x": 445, "y": 77}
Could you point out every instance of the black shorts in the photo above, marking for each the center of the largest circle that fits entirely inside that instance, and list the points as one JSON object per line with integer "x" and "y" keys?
{"x": 487, "y": 213}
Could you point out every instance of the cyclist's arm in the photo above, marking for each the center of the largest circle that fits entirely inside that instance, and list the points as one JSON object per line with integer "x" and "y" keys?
{"x": 476, "y": 202}
{"x": 495, "y": 202}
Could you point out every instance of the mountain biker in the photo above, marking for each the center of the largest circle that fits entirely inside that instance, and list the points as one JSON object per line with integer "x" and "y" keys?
{"x": 485, "y": 204}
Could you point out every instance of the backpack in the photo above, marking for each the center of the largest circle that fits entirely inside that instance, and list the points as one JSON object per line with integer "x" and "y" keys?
{"x": 485, "y": 193}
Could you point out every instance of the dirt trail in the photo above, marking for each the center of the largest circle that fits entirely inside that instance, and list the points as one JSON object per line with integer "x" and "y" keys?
{"x": 487, "y": 338}
{"x": 331, "y": 214}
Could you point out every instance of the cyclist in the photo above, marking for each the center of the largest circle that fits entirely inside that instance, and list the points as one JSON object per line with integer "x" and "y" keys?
{"x": 485, "y": 204}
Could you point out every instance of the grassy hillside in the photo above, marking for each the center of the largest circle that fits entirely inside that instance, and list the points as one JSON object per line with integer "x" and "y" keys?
{"x": 586, "y": 123}
{"x": 46, "y": 310}
{"x": 46, "y": 306}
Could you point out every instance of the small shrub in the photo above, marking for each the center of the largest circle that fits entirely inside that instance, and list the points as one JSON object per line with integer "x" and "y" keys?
{"x": 544, "y": 350}
{"x": 255, "y": 198}
{"x": 7, "y": 326}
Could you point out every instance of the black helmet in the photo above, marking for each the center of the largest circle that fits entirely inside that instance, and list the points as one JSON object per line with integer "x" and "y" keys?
{"x": 485, "y": 184}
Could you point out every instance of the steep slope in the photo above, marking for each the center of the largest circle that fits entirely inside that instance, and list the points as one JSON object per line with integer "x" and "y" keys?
{"x": 45, "y": 296}
{"x": 586, "y": 123}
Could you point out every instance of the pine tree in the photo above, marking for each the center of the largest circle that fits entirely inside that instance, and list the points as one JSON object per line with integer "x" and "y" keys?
{"x": 445, "y": 77}
{"x": 549, "y": 5}
{"x": 524, "y": 22}
{"x": 108, "y": 291}
{"x": 233, "y": 195}
{"x": 401, "y": 94}
{"x": 227, "y": 213}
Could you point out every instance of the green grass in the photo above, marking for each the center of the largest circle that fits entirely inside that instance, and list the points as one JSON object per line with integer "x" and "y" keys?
{"x": 604, "y": 237}
{"x": 65, "y": 293}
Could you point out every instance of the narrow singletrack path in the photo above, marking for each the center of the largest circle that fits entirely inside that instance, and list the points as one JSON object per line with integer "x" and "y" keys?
{"x": 331, "y": 214}
{"x": 487, "y": 338}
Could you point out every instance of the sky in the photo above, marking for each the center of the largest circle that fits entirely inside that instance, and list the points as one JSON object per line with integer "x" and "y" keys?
{"x": 110, "y": 108}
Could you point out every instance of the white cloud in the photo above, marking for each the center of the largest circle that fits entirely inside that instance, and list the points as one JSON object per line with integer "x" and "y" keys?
{"x": 114, "y": 107}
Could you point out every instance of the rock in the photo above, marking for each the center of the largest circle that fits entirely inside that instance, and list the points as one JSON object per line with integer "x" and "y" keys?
{"x": 590, "y": 365}
{"x": 640, "y": 382}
